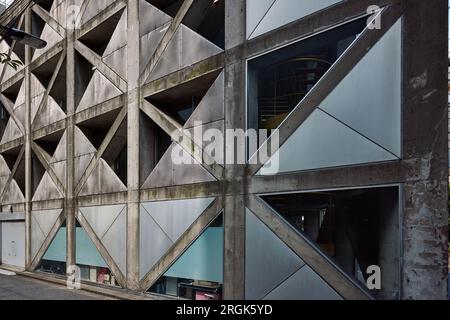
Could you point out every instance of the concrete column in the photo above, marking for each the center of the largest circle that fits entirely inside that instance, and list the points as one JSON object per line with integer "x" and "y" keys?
{"x": 28, "y": 164}
{"x": 425, "y": 113}
{"x": 133, "y": 146}
{"x": 70, "y": 205}
{"x": 234, "y": 212}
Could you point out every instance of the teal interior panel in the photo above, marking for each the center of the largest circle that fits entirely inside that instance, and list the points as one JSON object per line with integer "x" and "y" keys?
{"x": 203, "y": 260}
{"x": 86, "y": 252}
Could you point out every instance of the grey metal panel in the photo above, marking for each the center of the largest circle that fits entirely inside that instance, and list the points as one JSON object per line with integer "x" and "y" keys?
{"x": 51, "y": 37}
{"x": 149, "y": 43}
{"x": 116, "y": 59}
{"x": 115, "y": 241}
{"x": 13, "y": 194}
{"x": 175, "y": 217}
{"x": 36, "y": 86}
{"x": 102, "y": 217}
{"x": 60, "y": 152}
{"x": 162, "y": 174}
{"x": 13, "y": 243}
{"x": 59, "y": 168}
{"x": 82, "y": 144}
{"x": 3, "y": 181}
{"x": 59, "y": 10}
{"x": 98, "y": 90}
{"x": 150, "y": 17}
{"x": 204, "y": 141}
{"x": 81, "y": 164}
{"x": 47, "y": 190}
{"x": 211, "y": 108}
{"x": 195, "y": 48}
{"x": 12, "y": 216}
{"x": 20, "y": 100}
{"x": 166, "y": 173}
{"x": 153, "y": 242}
{"x": 304, "y": 285}
{"x": 119, "y": 37}
{"x": 283, "y": 12}
{"x": 256, "y": 9}
{"x": 323, "y": 142}
{"x": 11, "y": 132}
{"x": 37, "y": 237}
{"x": 102, "y": 180}
{"x": 170, "y": 60}
{"x": 4, "y": 169}
{"x": 46, "y": 219}
{"x": 19, "y": 111}
{"x": 369, "y": 97}
{"x": 191, "y": 173}
{"x": 35, "y": 102}
{"x": 51, "y": 113}
{"x": 94, "y": 8}
{"x": 269, "y": 261}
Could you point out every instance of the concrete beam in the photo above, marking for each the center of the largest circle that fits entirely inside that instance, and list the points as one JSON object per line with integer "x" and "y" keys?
{"x": 201, "y": 190}
{"x": 12, "y": 144}
{"x": 48, "y": 130}
{"x": 28, "y": 154}
{"x": 102, "y": 199}
{"x": 53, "y": 51}
{"x": 195, "y": 71}
{"x": 13, "y": 80}
{"x": 133, "y": 133}
{"x": 102, "y": 108}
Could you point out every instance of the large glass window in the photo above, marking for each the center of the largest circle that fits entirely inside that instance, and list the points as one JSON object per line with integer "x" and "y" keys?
{"x": 198, "y": 273}
{"x": 355, "y": 228}
{"x": 92, "y": 266}
{"x": 279, "y": 80}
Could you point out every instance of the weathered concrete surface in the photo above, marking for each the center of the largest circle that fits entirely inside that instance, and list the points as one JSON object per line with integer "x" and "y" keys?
{"x": 425, "y": 214}
{"x": 20, "y": 288}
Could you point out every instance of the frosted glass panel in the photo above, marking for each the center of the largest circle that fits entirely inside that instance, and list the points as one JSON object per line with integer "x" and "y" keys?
{"x": 256, "y": 9}
{"x": 323, "y": 142}
{"x": 369, "y": 98}
{"x": 283, "y": 12}
{"x": 304, "y": 285}
{"x": 264, "y": 272}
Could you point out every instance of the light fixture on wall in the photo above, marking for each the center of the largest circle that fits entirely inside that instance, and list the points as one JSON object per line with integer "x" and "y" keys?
{"x": 22, "y": 37}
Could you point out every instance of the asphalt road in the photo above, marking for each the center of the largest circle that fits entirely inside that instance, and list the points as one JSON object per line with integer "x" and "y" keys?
{"x": 22, "y": 288}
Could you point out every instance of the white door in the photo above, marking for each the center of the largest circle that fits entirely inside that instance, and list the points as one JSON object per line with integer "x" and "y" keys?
{"x": 13, "y": 243}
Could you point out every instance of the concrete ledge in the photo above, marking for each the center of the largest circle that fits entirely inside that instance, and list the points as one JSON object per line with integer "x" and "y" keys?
{"x": 7, "y": 273}
{"x": 120, "y": 294}
{"x": 15, "y": 216}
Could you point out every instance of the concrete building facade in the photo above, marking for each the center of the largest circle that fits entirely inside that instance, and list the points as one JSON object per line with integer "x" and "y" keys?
{"x": 353, "y": 185}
